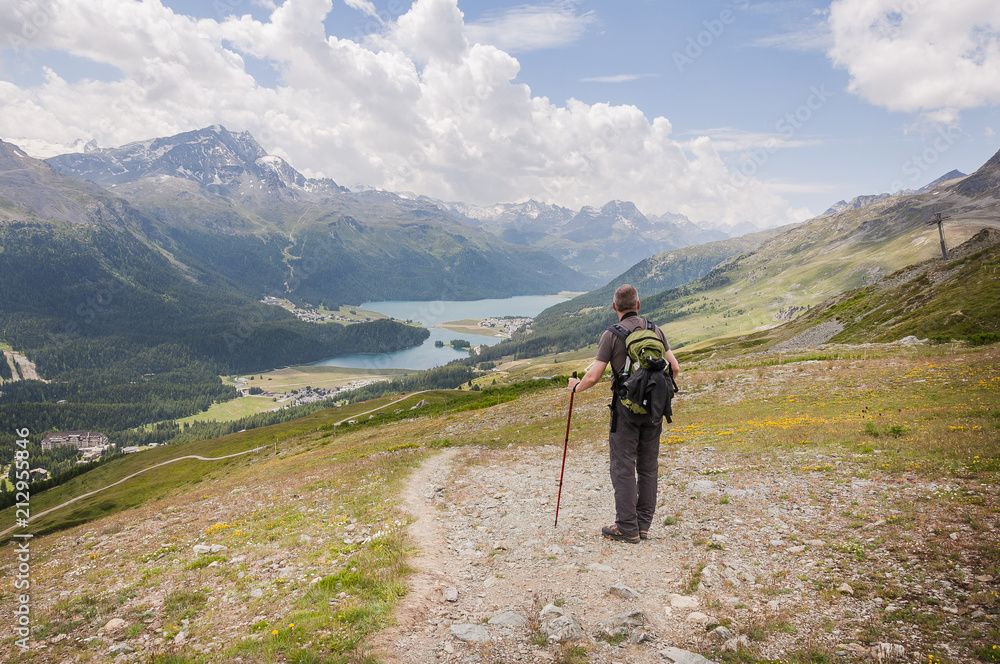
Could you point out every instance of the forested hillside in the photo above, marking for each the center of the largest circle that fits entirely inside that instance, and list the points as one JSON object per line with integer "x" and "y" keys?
{"x": 120, "y": 333}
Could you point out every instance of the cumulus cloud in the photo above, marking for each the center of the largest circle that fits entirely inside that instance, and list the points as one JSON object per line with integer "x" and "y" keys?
{"x": 420, "y": 106}
{"x": 919, "y": 55}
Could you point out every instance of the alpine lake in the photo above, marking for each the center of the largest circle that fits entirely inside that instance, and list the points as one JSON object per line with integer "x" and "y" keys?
{"x": 435, "y": 315}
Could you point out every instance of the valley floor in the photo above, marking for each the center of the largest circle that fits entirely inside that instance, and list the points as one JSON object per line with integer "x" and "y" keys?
{"x": 839, "y": 509}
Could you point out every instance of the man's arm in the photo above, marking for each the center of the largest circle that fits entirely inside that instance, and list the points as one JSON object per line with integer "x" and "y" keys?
{"x": 672, "y": 361}
{"x": 590, "y": 378}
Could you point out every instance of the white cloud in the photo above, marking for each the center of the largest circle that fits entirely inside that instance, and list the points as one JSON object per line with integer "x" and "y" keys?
{"x": 805, "y": 27}
{"x": 417, "y": 107}
{"x": 730, "y": 139}
{"x": 364, "y": 6}
{"x": 532, "y": 27}
{"x": 617, "y": 78}
{"x": 808, "y": 39}
{"x": 919, "y": 55}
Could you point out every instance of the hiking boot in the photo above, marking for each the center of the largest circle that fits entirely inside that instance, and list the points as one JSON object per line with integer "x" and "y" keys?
{"x": 615, "y": 533}
{"x": 644, "y": 534}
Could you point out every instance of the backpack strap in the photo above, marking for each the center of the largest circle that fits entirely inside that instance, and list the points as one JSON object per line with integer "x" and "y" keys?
{"x": 619, "y": 330}
{"x": 622, "y": 334}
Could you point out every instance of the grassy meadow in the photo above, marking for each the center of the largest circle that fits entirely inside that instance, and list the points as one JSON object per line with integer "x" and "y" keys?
{"x": 316, "y": 550}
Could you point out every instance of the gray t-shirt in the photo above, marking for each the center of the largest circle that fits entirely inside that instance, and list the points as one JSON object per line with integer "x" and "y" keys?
{"x": 612, "y": 349}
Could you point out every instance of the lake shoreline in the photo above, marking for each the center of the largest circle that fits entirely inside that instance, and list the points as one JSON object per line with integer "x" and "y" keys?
{"x": 436, "y": 315}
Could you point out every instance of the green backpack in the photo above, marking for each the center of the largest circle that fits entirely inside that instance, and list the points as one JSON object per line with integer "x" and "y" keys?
{"x": 646, "y": 387}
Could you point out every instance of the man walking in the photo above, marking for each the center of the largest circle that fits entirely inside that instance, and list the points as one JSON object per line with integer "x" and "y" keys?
{"x": 634, "y": 447}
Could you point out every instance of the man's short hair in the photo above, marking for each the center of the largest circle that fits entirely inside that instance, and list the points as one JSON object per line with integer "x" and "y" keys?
{"x": 626, "y": 298}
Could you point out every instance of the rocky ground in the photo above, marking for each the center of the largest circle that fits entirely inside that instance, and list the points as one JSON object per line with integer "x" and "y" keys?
{"x": 785, "y": 562}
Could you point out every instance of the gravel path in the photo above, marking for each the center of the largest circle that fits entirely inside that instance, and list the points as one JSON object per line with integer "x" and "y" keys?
{"x": 760, "y": 550}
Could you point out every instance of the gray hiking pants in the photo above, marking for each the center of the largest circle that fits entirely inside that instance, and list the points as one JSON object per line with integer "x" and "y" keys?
{"x": 634, "y": 451}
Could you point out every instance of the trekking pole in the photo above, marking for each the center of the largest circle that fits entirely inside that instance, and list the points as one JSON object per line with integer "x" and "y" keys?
{"x": 565, "y": 448}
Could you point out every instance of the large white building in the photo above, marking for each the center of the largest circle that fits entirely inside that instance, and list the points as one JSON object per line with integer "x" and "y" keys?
{"x": 81, "y": 440}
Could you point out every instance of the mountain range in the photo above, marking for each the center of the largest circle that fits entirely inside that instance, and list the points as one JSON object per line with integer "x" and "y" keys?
{"x": 228, "y": 207}
{"x": 227, "y": 204}
{"x": 153, "y": 175}
{"x": 819, "y": 259}
{"x": 231, "y": 164}
{"x": 596, "y": 241}
{"x": 861, "y": 201}
{"x": 735, "y": 291}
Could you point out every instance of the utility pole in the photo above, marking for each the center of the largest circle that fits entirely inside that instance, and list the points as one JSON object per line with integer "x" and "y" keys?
{"x": 938, "y": 219}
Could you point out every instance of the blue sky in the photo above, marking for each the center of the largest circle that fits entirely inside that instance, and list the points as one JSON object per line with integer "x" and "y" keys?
{"x": 723, "y": 111}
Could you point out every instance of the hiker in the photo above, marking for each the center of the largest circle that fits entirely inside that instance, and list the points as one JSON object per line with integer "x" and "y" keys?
{"x": 634, "y": 441}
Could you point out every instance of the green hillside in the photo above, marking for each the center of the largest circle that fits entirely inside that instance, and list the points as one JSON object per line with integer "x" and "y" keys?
{"x": 575, "y": 323}
{"x": 804, "y": 267}
{"x": 824, "y": 474}
{"x": 956, "y": 299}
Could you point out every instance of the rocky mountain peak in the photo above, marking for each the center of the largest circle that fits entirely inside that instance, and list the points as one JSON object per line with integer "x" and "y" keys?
{"x": 985, "y": 179}
{"x": 38, "y": 191}
{"x": 232, "y": 164}
{"x": 11, "y": 156}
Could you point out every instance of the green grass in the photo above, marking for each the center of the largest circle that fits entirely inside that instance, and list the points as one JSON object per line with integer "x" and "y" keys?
{"x": 354, "y": 313}
{"x": 571, "y": 654}
{"x": 944, "y": 407}
{"x": 205, "y": 561}
{"x": 177, "y": 477}
{"x": 183, "y": 475}
{"x": 183, "y": 605}
{"x": 291, "y": 378}
{"x": 692, "y": 584}
{"x": 232, "y": 410}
